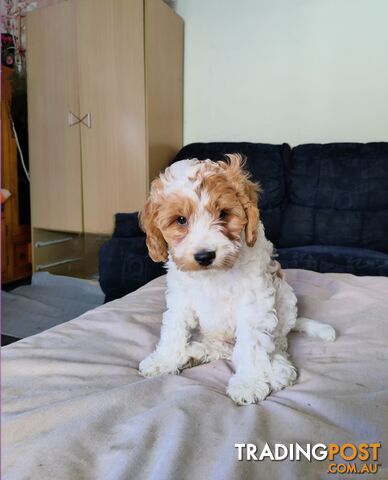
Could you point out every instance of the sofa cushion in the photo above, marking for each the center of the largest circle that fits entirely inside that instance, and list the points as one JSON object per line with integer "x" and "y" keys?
{"x": 337, "y": 195}
{"x": 320, "y": 258}
{"x": 267, "y": 165}
{"x": 127, "y": 226}
{"x": 124, "y": 263}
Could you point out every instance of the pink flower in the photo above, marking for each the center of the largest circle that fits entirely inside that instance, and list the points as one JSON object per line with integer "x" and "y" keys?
{"x": 9, "y": 60}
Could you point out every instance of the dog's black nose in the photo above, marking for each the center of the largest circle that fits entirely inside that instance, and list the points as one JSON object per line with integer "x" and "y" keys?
{"x": 204, "y": 257}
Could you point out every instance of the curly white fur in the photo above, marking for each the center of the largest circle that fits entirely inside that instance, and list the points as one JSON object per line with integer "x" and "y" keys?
{"x": 244, "y": 313}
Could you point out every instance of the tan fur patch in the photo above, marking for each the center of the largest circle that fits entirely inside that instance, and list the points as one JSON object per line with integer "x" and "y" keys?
{"x": 247, "y": 192}
{"x": 175, "y": 206}
{"x": 157, "y": 246}
{"x": 223, "y": 202}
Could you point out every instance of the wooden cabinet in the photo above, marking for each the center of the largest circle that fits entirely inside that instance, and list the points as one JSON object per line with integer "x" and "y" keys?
{"x": 15, "y": 227}
{"x": 105, "y": 90}
{"x": 118, "y": 64}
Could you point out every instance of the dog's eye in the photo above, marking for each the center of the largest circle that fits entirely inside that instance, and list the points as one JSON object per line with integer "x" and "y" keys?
{"x": 181, "y": 220}
{"x": 223, "y": 214}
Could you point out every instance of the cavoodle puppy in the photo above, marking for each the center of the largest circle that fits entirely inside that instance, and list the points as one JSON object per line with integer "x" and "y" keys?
{"x": 202, "y": 219}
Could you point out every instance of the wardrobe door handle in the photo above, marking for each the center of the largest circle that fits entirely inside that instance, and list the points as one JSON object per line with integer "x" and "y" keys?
{"x": 85, "y": 120}
{"x": 70, "y": 119}
{"x": 88, "y": 117}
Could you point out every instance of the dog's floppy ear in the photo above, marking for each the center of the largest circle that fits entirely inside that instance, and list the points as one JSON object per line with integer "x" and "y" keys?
{"x": 248, "y": 193}
{"x": 252, "y": 212}
{"x": 157, "y": 246}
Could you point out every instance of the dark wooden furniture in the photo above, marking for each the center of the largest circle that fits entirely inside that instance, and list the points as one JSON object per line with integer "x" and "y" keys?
{"x": 15, "y": 227}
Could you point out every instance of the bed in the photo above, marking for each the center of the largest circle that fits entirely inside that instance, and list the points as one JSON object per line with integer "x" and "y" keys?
{"x": 75, "y": 407}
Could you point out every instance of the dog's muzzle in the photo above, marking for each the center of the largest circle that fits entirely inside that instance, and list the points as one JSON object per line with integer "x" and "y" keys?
{"x": 205, "y": 258}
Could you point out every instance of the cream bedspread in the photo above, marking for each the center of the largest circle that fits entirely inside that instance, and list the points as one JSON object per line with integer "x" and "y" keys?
{"x": 75, "y": 407}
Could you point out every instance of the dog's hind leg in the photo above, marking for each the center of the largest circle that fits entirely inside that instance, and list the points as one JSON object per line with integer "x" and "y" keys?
{"x": 313, "y": 328}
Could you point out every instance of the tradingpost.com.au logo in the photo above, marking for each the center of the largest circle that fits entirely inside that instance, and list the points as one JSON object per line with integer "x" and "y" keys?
{"x": 344, "y": 458}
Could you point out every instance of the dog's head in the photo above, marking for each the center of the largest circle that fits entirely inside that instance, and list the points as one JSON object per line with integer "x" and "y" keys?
{"x": 201, "y": 211}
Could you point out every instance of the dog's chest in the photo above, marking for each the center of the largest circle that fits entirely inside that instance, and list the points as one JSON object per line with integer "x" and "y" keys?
{"x": 215, "y": 304}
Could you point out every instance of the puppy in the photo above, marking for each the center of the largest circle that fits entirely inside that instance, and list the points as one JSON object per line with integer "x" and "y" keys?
{"x": 202, "y": 219}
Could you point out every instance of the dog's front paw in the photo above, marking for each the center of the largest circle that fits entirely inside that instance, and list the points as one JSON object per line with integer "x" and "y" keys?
{"x": 245, "y": 391}
{"x": 155, "y": 364}
{"x": 283, "y": 372}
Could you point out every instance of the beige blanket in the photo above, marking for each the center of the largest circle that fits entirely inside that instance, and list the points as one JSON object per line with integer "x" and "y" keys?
{"x": 75, "y": 407}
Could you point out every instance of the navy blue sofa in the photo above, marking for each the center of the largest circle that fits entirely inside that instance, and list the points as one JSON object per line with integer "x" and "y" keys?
{"x": 324, "y": 206}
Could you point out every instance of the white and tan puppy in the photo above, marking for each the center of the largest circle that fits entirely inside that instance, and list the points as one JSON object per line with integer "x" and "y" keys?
{"x": 202, "y": 219}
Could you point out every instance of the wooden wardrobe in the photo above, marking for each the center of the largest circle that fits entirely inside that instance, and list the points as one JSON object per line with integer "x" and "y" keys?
{"x": 105, "y": 106}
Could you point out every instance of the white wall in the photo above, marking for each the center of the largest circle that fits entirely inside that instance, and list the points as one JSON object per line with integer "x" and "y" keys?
{"x": 285, "y": 70}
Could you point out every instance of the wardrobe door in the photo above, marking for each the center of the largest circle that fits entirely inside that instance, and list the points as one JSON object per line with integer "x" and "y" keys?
{"x": 164, "y": 83}
{"x": 110, "y": 35}
{"x": 54, "y": 147}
